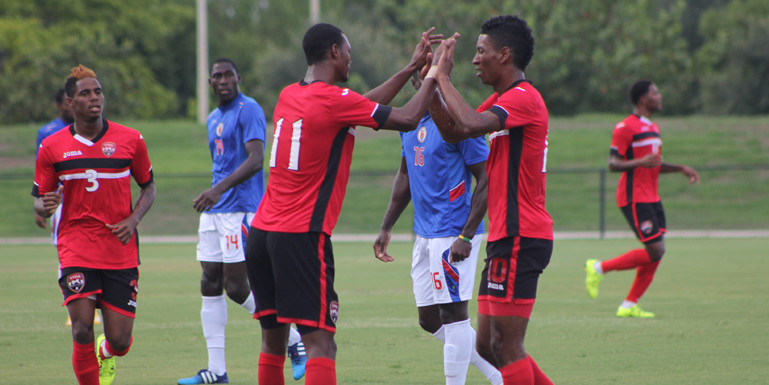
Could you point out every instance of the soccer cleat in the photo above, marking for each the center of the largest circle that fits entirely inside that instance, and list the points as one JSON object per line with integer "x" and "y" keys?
{"x": 633, "y": 312}
{"x": 592, "y": 278}
{"x": 298, "y": 359}
{"x": 106, "y": 365}
{"x": 205, "y": 376}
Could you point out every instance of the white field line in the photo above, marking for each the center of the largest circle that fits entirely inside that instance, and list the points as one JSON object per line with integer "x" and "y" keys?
{"x": 405, "y": 237}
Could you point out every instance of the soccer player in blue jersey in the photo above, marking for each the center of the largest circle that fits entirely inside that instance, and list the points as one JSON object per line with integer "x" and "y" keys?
{"x": 437, "y": 176}
{"x": 65, "y": 119}
{"x": 236, "y": 134}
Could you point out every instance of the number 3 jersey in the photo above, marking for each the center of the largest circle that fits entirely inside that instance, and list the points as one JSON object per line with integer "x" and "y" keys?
{"x": 311, "y": 154}
{"x": 96, "y": 177}
{"x": 517, "y": 164}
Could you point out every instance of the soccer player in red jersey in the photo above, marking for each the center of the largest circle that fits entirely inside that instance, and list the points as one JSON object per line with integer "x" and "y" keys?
{"x": 520, "y": 237}
{"x": 636, "y": 149}
{"x": 94, "y": 160}
{"x": 288, "y": 250}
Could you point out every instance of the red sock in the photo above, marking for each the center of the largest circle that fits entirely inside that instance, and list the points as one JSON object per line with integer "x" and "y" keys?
{"x": 112, "y": 351}
{"x": 85, "y": 364}
{"x": 320, "y": 371}
{"x": 271, "y": 369}
{"x": 518, "y": 373}
{"x": 629, "y": 260}
{"x": 540, "y": 378}
{"x": 643, "y": 278}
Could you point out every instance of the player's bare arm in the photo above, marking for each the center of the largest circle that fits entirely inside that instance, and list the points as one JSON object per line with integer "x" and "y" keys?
{"x": 467, "y": 122}
{"x": 399, "y": 199}
{"x": 461, "y": 248}
{"x": 689, "y": 172}
{"x": 618, "y": 164}
{"x": 126, "y": 228}
{"x": 385, "y": 92}
{"x": 47, "y": 204}
{"x": 247, "y": 169}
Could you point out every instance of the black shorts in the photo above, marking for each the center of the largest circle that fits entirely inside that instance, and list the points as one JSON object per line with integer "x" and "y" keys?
{"x": 114, "y": 289}
{"x": 509, "y": 280}
{"x": 647, "y": 220}
{"x": 292, "y": 277}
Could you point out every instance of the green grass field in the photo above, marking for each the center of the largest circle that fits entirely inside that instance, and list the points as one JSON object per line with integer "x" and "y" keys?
{"x": 732, "y": 154}
{"x": 710, "y": 296}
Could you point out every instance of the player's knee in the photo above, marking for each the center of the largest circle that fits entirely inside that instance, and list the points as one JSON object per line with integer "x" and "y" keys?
{"x": 429, "y": 325}
{"x": 656, "y": 251}
{"x": 237, "y": 291}
{"x": 82, "y": 334}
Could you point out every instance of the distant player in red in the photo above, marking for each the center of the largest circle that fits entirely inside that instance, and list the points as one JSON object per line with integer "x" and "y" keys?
{"x": 636, "y": 149}
{"x": 520, "y": 230}
{"x": 288, "y": 251}
{"x": 94, "y": 160}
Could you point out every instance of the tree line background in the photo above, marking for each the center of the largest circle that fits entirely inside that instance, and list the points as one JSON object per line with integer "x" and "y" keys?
{"x": 707, "y": 56}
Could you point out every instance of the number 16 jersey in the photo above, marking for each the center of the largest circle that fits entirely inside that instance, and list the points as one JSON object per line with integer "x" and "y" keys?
{"x": 311, "y": 154}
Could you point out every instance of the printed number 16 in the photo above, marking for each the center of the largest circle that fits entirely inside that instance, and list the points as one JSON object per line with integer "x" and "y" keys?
{"x": 419, "y": 159}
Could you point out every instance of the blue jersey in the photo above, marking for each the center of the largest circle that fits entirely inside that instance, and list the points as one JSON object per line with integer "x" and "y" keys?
{"x": 49, "y": 129}
{"x": 440, "y": 179}
{"x": 229, "y": 128}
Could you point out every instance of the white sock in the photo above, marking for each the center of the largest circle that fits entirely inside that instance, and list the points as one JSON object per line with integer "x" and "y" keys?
{"x": 293, "y": 337}
{"x": 489, "y": 371}
{"x": 457, "y": 351}
{"x": 627, "y": 304}
{"x": 213, "y": 315}
{"x": 249, "y": 304}
{"x": 486, "y": 368}
{"x": 598, "y": 268}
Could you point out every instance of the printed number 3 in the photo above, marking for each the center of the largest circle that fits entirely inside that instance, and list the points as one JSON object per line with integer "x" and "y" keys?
{"x": 91, "y": 177}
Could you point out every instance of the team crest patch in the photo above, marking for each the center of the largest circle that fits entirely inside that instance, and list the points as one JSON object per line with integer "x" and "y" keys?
{"x": 333, "y": 311}
{"x": 219, "y": 129}
{"x": 76, "y": 282}
{"x": 422, "y": 134}
{"x": 646, "y": 227}
{"x": 108, "y": 148}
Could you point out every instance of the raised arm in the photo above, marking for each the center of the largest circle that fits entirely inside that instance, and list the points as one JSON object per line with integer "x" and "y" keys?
{"x": 467, "y": 122}
{"x": 385, "y": 92}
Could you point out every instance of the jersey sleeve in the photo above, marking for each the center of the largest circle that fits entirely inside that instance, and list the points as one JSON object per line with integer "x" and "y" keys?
{"x": 515, "y": 109}
{"x": 621, "y": 139}
{"x": 252, "y": 122}
{"x": 474, "y": 150}
{"x": 45, "y": 175}
{"x": 141, "y": 168}
{"x": 355, "y": 109}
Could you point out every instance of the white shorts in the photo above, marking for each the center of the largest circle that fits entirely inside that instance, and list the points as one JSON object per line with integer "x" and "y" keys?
{"x": 223, "y": 237}
{"x": 435, "y": 280}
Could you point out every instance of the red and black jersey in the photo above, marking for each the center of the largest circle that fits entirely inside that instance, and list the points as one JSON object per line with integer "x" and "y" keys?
{"x": 96, "y": 175}
{"x": 311, "y": 155}
{"x": 516, "y": 164}
{"x": 633, "y": 138}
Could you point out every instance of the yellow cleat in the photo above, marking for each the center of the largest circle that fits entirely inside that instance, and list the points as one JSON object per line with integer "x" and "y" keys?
{"x": 106, "y": 366}
{"x": 634, "y": 312}
{"x": 592, "y": 278}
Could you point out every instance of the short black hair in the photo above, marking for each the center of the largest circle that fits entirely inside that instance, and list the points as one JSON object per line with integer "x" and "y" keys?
{"x": 638, "y": 90}
{"x": 59, "y": 98}
{"x": 513, "y": 32}
{"x": 224, "y": 60}
{"x": 318, "y": 40}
